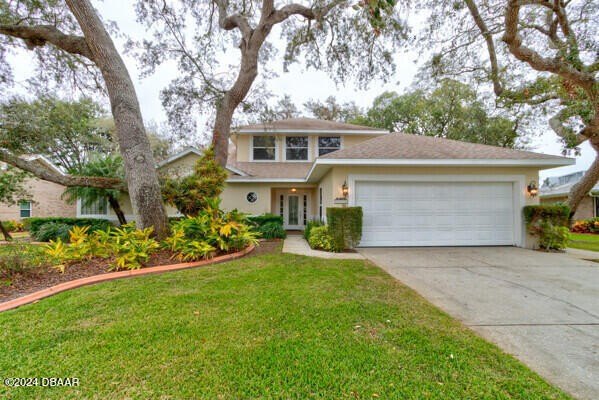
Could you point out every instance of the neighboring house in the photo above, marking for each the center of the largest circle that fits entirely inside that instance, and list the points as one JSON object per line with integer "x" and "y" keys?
{"x": 556, "y": 188}
{"x": 414, "y": 190}
{"x": 45, "y": 196}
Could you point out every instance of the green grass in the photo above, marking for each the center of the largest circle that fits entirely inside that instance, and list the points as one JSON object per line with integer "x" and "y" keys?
{"x": 584, "y": 241}
{"x": 269, "y": 326}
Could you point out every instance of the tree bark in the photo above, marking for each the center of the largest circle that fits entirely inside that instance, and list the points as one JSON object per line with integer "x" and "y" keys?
{"x": 5, "y": 232}
{"x": 140, "y": 171}
{"x": 118, "y": 211}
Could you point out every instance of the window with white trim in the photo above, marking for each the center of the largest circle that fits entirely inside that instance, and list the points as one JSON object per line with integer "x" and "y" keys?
{"x": 264, "y": 148}
{"x": 296, "y": 148}
{"x": 328, "y": 144}
{"x": 25, "y": 209}
{"x": 98, "y": 207}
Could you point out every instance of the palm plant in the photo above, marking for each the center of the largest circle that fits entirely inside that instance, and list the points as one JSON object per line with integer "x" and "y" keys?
{"x": 106, "y": 166}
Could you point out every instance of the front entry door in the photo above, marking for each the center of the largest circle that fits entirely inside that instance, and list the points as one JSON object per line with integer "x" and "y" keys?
{"x": 293, "y": 215}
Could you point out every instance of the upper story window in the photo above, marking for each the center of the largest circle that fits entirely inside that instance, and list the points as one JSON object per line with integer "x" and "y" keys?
{"x": 296, "y": 148}
{"x": 98, "y": 207}
{"x": 327, "y": 144}
{"x": 264, "y": 148}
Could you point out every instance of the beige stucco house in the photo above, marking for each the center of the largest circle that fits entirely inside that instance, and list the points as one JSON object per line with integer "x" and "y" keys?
{"x": 555, "y": 190}
{"x": 414, "y": 190}
{"x": 46, "y": 198}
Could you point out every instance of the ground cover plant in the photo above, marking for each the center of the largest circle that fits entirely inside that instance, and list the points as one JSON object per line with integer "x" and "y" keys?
{"x": 269, "y": 326}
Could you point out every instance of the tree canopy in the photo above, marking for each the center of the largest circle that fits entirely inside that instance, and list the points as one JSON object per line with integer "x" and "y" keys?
{"x": 451, "y": 110}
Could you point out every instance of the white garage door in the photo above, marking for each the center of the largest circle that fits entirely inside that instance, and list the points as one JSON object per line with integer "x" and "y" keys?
{"x": 436, "y": 213}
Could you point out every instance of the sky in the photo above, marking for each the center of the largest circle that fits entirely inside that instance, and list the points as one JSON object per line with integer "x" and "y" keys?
{"x": 298, "y": 83}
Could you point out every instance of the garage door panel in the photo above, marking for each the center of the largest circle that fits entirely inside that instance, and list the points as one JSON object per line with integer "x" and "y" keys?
{"x": 436, "y": 213}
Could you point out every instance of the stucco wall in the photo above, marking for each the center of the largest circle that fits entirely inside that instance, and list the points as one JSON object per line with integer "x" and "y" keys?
{"x": 47, "y": 202}
{"x": 585, "y": 210}
{"x": 235, "y": 197}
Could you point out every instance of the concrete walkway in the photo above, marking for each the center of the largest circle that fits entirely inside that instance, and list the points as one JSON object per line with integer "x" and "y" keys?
{"x": 296, "y": 244}
{"x": 541, "y": 307}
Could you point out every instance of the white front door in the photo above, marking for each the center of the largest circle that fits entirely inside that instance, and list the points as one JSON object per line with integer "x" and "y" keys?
{"x": 293, "y": 216}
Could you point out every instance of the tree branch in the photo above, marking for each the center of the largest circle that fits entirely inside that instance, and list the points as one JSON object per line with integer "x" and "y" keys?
{"x": 230, "y": 22}
{"x": 40, "y": 35}
{"x": 484, "y": 30}
{"x": 555, "y": 65}
{"x": 46, "y": 174}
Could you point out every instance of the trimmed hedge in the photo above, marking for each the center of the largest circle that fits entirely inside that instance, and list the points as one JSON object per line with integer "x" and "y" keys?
{"x": 549, "y": 222}
{"x": 265, "y": 218}
{"x": 34, "y": 224}
{"x": 270, "y": 226}
{"x": 345, "y": 226}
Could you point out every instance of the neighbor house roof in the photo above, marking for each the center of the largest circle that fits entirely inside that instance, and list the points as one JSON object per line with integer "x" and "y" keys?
{"x": 293, "y": 125}
{"x": 560, "y": 190}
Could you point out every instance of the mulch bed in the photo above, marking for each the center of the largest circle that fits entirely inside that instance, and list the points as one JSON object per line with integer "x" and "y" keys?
{"x": 41, "y": 278}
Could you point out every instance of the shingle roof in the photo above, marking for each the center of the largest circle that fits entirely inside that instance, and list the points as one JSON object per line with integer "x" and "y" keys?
{"x": 269, "y": 170}
{"x": 307, "y": 124}
{"x": 408, "y": 146}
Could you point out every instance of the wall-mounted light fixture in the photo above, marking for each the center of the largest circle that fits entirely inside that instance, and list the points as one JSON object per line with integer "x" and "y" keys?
{"x": 344, "y": 189}
{"x": 293, "y": 190}
{"x": 532, "y": 189}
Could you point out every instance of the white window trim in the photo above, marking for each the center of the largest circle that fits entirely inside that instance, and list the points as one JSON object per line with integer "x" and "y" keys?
{"x": 30, "y": 208}
{"x": 518, "y": 182}
{"x": 108, "y": 214}
{"x": 317, "y": 151}
{"x": 252, "y": 149}
{"x": 307, "y": 148}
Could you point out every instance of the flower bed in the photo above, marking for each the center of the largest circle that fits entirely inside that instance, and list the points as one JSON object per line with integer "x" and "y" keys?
{"x": 50, "y": 284}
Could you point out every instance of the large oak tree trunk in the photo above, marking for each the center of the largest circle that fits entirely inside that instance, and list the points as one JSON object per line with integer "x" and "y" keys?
{"x": 140, "y": 172}
{"x": 582, "y": 188}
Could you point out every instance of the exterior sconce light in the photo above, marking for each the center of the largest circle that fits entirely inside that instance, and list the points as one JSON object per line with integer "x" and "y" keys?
{"x": 293, "y": 190}
{"x": 344, "y": 189}
{"x": 532, "y": 189}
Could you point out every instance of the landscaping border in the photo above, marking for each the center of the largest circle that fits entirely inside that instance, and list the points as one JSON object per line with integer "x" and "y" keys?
{"x": 90, "y": 280}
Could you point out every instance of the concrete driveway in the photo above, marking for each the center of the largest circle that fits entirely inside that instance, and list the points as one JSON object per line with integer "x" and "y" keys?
{"x": 541, "y": 307}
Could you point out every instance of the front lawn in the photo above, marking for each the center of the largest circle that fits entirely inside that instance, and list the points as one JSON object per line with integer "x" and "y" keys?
{"x": 268, "y": 326}
{"x": 584, "y": 241}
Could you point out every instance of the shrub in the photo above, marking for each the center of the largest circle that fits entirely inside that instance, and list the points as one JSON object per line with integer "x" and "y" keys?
{"x": 345, "y": 226}
{"x": 14, "y": 226}
{"x": 33, "y": 225}
{"x": 549, "y": 223}
{"x": 590, "y": 225}
{"x": 190, "y": 193}
{"x": 311, "y": 225}
{"x": 271, "y": 230}
{"x": 265, "y": 218}
{"x": 321, "y": 239}
{"x": 52, "y": 231}
{"x": 20, "y": 258}
{"x": 270, "y": 226}
{"x": 212, "y": 230}
{"x": 129, "y": 247}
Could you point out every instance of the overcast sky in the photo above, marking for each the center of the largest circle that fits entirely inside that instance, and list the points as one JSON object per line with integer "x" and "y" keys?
{"x": 301, "y": 85}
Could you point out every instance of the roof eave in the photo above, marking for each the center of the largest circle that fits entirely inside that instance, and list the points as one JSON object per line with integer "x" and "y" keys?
{"x": 317, "y": 171}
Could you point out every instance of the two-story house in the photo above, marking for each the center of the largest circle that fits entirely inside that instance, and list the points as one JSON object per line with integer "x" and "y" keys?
{"x": 414, "y": 190}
